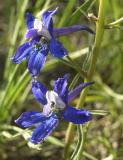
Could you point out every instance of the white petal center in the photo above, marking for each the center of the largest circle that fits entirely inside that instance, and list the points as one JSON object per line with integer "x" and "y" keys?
{"x": 53, "y": 99}
{"x": 41, "y": 29}
{"x": 38, "y": 24}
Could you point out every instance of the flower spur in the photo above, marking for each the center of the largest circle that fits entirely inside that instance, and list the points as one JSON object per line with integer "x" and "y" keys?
{"x": 55, "y": 108}
{"x": 43, "y": 38}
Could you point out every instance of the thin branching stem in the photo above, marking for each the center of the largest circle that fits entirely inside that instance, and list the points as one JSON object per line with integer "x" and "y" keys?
{"x": 120, "y": 20}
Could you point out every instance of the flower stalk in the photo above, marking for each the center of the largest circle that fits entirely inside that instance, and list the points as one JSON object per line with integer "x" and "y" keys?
{"x": 100, "y": 26}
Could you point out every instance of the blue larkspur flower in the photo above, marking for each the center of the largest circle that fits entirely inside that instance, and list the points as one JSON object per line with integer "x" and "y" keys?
{"x": 55, "y": 108}
{"x": 42, "y": 38}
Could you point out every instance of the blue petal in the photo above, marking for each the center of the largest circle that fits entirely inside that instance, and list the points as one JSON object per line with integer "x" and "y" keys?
{"x": 28, "y": 119}
{"x": 57, "y": 49}
{"x": 68, "y": 30}
{"x": 38, "y": 58}
{"x": 77, "y": 116}
{"x": 22, "y": 52}
{"x": 44, "y": 129}
{"x": 73, "y": 94}
{"x": 47, "y": 20}
{"x": 61, "y": 88}
{"x": 30, "y": 20}
{"x": 39, "y": 92}
{"x": 36, "y": 63}
{"x": 32, "y": 33}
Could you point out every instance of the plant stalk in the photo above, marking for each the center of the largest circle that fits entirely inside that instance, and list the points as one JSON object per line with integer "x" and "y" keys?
{"x": 95, "y": 53}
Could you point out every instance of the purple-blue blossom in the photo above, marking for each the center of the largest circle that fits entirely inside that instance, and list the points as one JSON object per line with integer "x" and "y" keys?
{"x": 42, "y": 37}
{"x": 56, "y": 107}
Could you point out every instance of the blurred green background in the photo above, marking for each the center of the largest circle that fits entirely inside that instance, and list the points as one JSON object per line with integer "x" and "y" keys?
{"x": 105, "y": 136}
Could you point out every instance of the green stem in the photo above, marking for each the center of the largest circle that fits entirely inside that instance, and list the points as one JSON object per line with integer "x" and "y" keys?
{"x": 116, "y": 22}
{"x": 68, "y": 138}
{"x": 96, "y": 49}
{"x": 95, "y": 54}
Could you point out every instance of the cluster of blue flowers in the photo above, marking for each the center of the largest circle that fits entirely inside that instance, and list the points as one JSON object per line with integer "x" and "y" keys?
{"x": 42, "y": 37}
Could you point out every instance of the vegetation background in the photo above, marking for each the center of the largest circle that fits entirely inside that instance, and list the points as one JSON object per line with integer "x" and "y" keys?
{"x": 104, "y": 140}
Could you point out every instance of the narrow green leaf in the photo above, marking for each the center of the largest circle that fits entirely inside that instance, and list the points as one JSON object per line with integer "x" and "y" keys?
{"x": 55, "y": 141}
{"x": 14, "y": 37}
{"x": 79, "y": 147}
{"x": 100, "y": 112}
{"x": 67, "y": 12}
{"x": 74, "y": 81}
{"x": 85, "y": 6}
